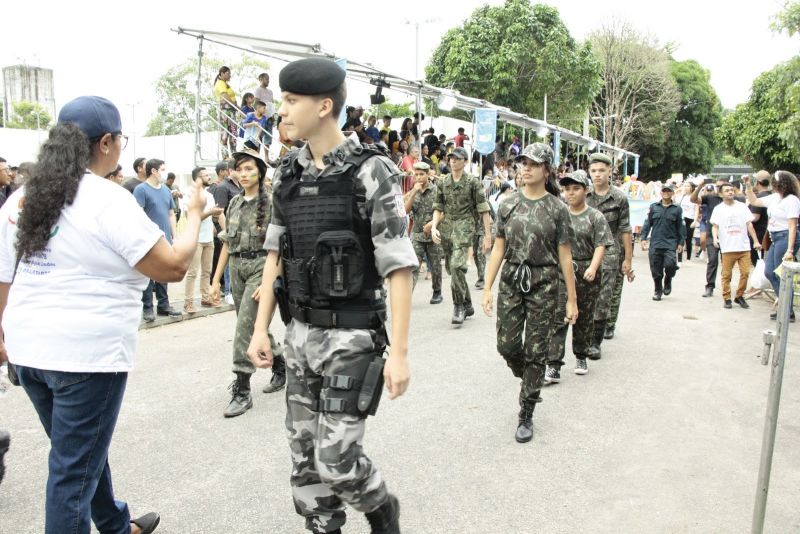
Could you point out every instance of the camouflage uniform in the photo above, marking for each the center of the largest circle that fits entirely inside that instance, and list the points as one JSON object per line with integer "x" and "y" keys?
{"x": 422, "y": 214}
{"x": 477, "y": 250}
{"x": 459, "y": 201}
{"x": 591, "y": 231}
{"x": 243, "y": 236}
{"x": 614, "y": 206}
{"x": 528, "y": 293}
{"x": 329, "y": 467}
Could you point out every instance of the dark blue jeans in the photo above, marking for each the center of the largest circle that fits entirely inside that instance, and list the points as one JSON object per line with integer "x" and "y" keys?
{"x": 774, "y": 257}
{"x": 78, "y": 412}
{"x": 161, "y": 296}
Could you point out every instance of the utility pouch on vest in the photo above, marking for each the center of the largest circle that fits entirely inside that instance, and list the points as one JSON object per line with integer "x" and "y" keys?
{"x": 282, "y": 298}
{"x": 356, "y": 389}
{"x": 338, "y": 262}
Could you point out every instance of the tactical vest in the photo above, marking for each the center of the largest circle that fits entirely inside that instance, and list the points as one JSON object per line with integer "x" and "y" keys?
{"x": 327, "y": 251}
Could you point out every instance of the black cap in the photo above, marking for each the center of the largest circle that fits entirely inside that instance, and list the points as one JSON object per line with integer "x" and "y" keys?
{"x": 311, "y": 76}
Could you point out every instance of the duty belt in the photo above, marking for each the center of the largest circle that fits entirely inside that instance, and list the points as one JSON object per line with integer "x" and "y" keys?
{"x": 338, "y": 318}
{"x": 249, "y": 254}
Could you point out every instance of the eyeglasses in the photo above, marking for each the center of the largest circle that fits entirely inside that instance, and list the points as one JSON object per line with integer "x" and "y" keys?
{"x": 124, "y": 141}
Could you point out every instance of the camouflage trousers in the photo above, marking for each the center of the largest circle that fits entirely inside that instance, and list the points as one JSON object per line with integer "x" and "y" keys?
{"x": 587, "y": 293}
{"x": 455, "y": 262}
{"x": 611, "y": 281}
{"x": 434, "y": 253}
{"x": 329, "y": 467}
{"x": 477, "y": 253}
{"x": 245, "y": 279}
{"x": 524, "y": 326}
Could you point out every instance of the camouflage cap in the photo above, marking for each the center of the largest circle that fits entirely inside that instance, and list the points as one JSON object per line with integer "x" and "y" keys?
{"x": 460, "y": 153}
{"x": 538, "y": 153}
{"x": 421, "y": 166}
{"x": 248, "y": 153}
{"x": 577, "y": 177}
{"x": 599, "y": 157}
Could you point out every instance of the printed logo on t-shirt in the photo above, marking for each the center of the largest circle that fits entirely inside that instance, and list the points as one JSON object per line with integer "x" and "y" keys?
{"x": 36, "y": 264}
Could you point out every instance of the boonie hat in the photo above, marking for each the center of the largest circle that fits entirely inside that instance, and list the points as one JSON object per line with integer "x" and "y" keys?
{"x": 538, "y": 153}
{"x": 600, "y": 157}
{"x": 460, "y": 153}
{"x": 577, "y": 177}
{"x": 311, "y": 76}
{"x": 94, "y": 115}
{"x": 250, "y": 153}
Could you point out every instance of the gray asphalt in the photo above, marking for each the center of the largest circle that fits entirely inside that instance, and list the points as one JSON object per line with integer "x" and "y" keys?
{"x": 662, "y": 435}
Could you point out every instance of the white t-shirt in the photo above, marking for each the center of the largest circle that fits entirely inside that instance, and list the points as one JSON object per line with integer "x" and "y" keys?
{"x": 780, "y": 210}
{"x": 689, "y": 208}
{"x": 76, "y": 306}
{"x": 732, "y": 223}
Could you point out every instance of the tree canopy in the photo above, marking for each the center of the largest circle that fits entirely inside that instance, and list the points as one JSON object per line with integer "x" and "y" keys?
{"x": 758, "y": 130}
{"x": 176, "y": 92}
{"x": 29, "y": 116}
{"x": 515, "y": 54}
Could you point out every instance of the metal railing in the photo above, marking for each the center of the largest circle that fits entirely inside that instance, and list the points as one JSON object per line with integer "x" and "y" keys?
{"x": 774, "y": 343}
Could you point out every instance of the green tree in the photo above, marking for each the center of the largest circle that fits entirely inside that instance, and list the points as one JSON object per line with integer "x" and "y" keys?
{"x": 393, "y": 110}
{"x": 688, "y": 146}
{"x": 756, "y": 130}
{"x": 29, "y": 116}
{"x": 176, "y": 92}
{"x": 788, "y": 20}
{"x": 515, "y": 54}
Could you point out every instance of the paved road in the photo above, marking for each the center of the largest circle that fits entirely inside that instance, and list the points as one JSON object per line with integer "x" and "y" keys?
{"x": 662, "y": 435}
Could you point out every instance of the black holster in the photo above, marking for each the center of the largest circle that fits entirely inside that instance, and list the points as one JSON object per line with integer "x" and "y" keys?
{"x": 282, "y": 298}
{"x": 355, "y": 390}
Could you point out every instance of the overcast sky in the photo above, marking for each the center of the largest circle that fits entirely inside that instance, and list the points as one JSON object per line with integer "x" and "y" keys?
{"x": 119, "y": 49}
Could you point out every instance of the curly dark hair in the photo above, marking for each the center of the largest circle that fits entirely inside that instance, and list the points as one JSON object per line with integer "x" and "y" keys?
{"x": 62, "y": 162}
{"x": 785, "y": 183}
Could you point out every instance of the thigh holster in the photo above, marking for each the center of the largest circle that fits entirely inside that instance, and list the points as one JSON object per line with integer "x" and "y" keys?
{"x": 355, "y": 389}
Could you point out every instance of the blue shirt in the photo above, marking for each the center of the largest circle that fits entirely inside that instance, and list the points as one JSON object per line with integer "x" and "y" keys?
{"x": 252, "y": 132}
{"x": 374, "y": 133}
{"x": 156, "y": 204}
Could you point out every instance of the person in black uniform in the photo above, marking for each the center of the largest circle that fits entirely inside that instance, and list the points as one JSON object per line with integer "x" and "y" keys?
{"x": 665, "y": 219}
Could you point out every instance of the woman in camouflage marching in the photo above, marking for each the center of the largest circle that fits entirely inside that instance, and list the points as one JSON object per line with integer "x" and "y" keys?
{"x": 534, "y": 236}
{"x": 247, "y": 218}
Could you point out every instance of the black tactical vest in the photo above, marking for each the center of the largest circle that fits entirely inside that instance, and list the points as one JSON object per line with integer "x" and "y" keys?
{"x": 327, "y": 251}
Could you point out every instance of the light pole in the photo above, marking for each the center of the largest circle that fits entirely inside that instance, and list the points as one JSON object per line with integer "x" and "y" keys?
{"x": 416, "y": 25}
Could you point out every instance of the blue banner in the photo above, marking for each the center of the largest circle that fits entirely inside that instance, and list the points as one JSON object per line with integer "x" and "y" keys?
{"x": 485, "y": 130}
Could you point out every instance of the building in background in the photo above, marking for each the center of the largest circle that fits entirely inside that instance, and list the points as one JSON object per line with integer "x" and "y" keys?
{"x": 26, "y": 83}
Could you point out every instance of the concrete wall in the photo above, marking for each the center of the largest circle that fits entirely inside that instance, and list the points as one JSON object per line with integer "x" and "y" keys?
{"x": 23, "y": 83}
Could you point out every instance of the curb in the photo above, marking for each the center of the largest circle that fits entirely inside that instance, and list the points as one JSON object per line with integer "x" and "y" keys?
{"x": 178, "y": 304}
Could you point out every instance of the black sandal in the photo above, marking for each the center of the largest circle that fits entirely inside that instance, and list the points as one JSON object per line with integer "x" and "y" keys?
{"x": 147, "y": 522}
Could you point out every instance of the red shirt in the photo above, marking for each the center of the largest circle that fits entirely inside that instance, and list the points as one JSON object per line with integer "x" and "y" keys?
{"x": 459, "y": 139}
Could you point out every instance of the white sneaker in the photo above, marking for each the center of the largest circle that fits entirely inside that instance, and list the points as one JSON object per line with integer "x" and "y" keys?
{"x": 581, "y": 367}
{"x": 229, "y": 299}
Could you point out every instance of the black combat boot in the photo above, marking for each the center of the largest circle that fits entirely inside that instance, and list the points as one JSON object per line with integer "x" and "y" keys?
{"x": 525, "y": 429}
{"x": 386, "y": 518}
{"x": 667, "y": 285}
{"x": 241, "y": 401}
{"x": 278, "y": 380}
{"x": 609, "y": 333}
{"x": 469, "y": 311}
{"x": 594, "y": 352}
{"x": 5, "y": 442}
{"x": 458, "y": 314}
{"x": 659, "y": 289}
{"x": 437, "y": 297}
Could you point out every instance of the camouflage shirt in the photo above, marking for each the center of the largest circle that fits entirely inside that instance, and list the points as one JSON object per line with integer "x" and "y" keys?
{"x": 422, "y": 213}
{"x": 614, "y": 207}
{"x": 591, "y": 231}
{"x": 383, "y": 206}
{"x": 533, "y": 229}
{"x": 241, "y": 232}
{"x": 460, "y": 201}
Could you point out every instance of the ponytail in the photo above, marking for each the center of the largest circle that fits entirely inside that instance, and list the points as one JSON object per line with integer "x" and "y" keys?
{"x": 550, "y": 183}
{"x": 263, "y": 204}
{"x": 62, "y": 162}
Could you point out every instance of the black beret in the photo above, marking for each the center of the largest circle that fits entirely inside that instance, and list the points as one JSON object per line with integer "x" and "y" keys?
{"x": 311, "y": 76}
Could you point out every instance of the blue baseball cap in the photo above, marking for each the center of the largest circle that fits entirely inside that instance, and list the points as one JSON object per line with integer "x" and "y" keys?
{"x": 95, "y": 115}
